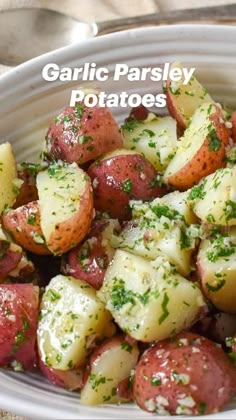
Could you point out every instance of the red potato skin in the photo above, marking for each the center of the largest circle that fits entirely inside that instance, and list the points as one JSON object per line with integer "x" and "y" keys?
{"x": 233, "y": 130}
{"x": 216, "y": 327}
{"x": 71, "y": 379}
{"x": 16, "y": 223}
{"x": 18, "y": 318}
{"x": 205, "y": 161}
{"x": 210, "y": 376}
{"x": 96, "y": 255}
{"x": 28, "y": 191}
{"x": 139, "y": 113}
{"x": 9, "y": 259}
{"x": 111, "y": 191}
{"x": 82, "y": 134}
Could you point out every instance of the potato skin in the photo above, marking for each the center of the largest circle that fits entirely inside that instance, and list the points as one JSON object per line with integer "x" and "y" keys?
{"x": 205, "y": 161}
{"x": 120, "y": 178}
{"x": 71, "y": 379}
{"x": 88, "y": 261}
{"x": 18, "y": 317}
{"x": 9, "y": 258}
{"x": 28, "y": 190}
{"x": 233, "y": 130}
{"x": 81, "y": 134}
{"x": 23, "y": 224}
{"x": 185, "y": 375}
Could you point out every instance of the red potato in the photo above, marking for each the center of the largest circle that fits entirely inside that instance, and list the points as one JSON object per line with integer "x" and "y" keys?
{"x": 201, "y": 150}
{"x": 183, "y": 100}
{"x": 81, "y": 134}
{"x": 65, "y": 204}
{"x": 23, "y": 224}
{"x": 10, "y": 256}
{"x": 186, "y": 375}
{"x": 109, "y": 370}
{"x": 89, "y": 260}
{"x": 71, "y": 379}
{"x": 233, "y": 130}
{"x": 23, "y": 270}
{"x": 120, "y": 177}
{"x": 28, "y": 191}
{"x": 18, "y": 319}
{"x": 217, "y": 327}
{"x": 139, "y": 113}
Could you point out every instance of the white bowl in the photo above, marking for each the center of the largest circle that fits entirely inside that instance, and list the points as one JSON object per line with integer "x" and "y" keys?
{"x": 28, "y": 103}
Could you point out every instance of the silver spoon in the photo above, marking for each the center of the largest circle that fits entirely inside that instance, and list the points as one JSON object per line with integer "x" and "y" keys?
{"x": 27, "y": 33}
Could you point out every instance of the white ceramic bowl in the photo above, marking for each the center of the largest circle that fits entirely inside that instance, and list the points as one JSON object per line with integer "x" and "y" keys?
{"x": 27, "y": 104}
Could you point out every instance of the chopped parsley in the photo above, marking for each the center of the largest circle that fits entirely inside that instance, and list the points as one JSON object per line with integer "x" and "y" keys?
{"x": 165, "y": 313}
{"x": 215, "y": 143}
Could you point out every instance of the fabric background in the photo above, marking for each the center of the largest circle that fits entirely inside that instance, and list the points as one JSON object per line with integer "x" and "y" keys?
{"x": 95, "y": 10}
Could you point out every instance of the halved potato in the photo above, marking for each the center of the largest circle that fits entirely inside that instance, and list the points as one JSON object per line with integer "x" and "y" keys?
{"x": 214, "y": 198}
{"x": 155, "y": 137}
{"x": 66, "y": 205}
{"x": 23, "y": 225}
{"x": 183, "y": 100}
{"x": 216, "y": 263}
{"x": 149, "y": 300}
{"x": 72, "y": 319}
{"x": 201, "y": 150}
{"x": 8, "y": 176}
{"x": 110, "y": 364}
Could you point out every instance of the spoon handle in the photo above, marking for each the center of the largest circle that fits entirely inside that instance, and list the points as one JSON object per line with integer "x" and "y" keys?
{"x": 213, "y": 14}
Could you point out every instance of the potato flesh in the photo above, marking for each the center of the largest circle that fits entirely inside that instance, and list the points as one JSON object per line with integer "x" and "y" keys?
{"x": 113, "y": 366}
{"x": 154, "y": 236}
{"x": 71, "y": 317}
{"x": 60, "y": 189}
{"x": 217, "y": 269}
{"x": 148, "y": 300}
{"x": 187, "y": 98}
{"x": 193, "y": 138}
{"x": 8, "y": 174}
{"x": 155, "y": 138}
{"x": 215, "y": 197}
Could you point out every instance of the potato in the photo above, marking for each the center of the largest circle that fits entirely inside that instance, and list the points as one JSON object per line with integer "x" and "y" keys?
{"x": 178, "y": 201}
{"x": 23, "y": 225}
{"x": 81, "y": 134}
{"x": 187, "y": 375}
{"x": 66, "y": 206}
{"x": 10, "y": 255}
{"x": 216, "y": 262}
{"x": 69, "y": 379}
{"x": 214, "y": 198}
{"x": 8, "y": 177}
{"x": 160, "y": 229}
{"x": 151, "y": 242}
{"x": 18, "y": 318}
{"x": 149, "y": 300}
{"x": 233, "y": 129}
{"x": 201, "y": 150}
{"x": 23, "y": 270}
{"x": 217, "y": 326}
{"x": 155, "y": 138}
{"x": 28, "y": 191}
{"x": 119, "y": 177}
{"x": 89, "y": 260}
{"x": 110, "y": 364}
{"x": 183, "y": 100}
{"x": 72, "y": 319}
